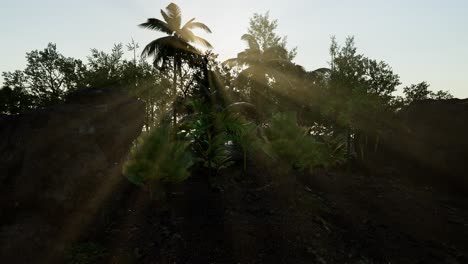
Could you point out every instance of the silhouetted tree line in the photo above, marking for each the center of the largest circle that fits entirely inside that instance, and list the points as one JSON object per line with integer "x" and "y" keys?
{"x": 261, "y": 101}
{"x": 49, "y": 76}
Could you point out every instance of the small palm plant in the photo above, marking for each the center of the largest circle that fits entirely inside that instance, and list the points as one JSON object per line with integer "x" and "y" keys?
{"x": 296, "y": 146}
{"x": 207, "y": 135}
{"x": 158, "y": 159}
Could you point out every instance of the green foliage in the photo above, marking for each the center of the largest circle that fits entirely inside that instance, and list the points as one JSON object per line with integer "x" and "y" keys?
{"x": 16, "y": 99}
{"x": 351, "y": 70}
{"x": 265, "y": 73}
{"x": 86, "y": 253}
{"x": 363, "y": 111}
{"x": 47, "y": 78}
{"x": 420, "y": 91}
{"x": 207, "y": 130}
{"x": 334, "y": 106}
{"x": 262, "y": 30}
{"x": 105, "y": 69}
{"x": 265, "y": 65}
{"x": 178, "y": 47}
{"x": 296, "y": 146}
{"x": 359, "y": 92}
{"x": 158, "y": 159}
{"x": 32, "y": 88}
{"x": 180, "y": 39}
{"x": 244, "y": 135}
{"x": 334, "y": 142}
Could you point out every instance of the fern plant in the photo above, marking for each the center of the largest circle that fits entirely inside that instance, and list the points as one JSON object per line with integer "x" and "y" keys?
{"x": 158, "y": 159}
{"x": 209, "y": 133}
{"x": 295, "y": 145}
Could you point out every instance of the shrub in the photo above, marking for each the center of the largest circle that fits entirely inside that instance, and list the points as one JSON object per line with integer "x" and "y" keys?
{"x": 86, "y": 253}
{"x": 158, "y": 159}
{"x": 295, "y": 145}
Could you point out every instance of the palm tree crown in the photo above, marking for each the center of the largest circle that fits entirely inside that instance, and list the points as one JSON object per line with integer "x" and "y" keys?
{"x": 254, "y": 55}
{"x": 180, "y": 39}
{"x": 177, "y": 46}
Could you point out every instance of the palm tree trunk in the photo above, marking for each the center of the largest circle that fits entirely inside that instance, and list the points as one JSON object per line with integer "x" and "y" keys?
{"x": 376, "y": 145}
{"x": 245, "y": 160}
{"x": 174, "y": 112}
{"x": 348, "y": 147}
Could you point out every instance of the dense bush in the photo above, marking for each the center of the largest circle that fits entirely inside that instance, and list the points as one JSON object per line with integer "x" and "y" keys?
{"x": 158, "y": 159}
{"x": 339, "y": 109}
{"x": 295, "y": 145}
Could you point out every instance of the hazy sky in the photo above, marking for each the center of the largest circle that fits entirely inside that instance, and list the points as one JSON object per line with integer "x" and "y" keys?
{"x": 423, "y": 40}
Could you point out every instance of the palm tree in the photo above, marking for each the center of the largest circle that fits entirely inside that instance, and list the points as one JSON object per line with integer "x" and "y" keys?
{"x": 254, "y": 56}
{"x": 272, "y": 77}
{"x": 177, "y": 45}
{"x": 258, "y": 66}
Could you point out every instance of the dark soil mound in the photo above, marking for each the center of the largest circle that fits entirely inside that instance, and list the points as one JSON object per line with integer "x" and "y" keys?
{"x": 57, "y": 166}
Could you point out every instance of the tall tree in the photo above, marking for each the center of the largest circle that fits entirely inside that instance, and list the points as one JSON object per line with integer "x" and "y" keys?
{"x": 177, "y": 46}
{"x": 255, "y": 66}
{"x": 359, "y": 92}
{"x": 262, "y": 29}
{"x": 14, "y": 97}
{"x": 266, "y": 64}
{"x": 351, "y": 71}
{"x": 420, "y": 91}
{"x": 48, "y": 76}
{"x": 105, "y": 69}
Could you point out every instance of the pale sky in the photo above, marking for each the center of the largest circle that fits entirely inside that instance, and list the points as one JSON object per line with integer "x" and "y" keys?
{"x": 423, "y": 40}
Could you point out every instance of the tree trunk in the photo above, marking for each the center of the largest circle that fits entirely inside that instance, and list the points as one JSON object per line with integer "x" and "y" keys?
{"x": 245, "y": 160}
{"x": 174, "y": 112}
{"x": 348, "y": 144}
{"x": 376, "y": 145}
{"x": 348, "y": 148}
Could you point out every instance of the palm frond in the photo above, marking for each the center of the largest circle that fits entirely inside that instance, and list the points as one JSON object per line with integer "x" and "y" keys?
{"x": 156, "y": 24}
{"x": 151, "y": 50}
{"x": 299, "y": 68}
{"x": 203, "y": 42}
{"x": 168, "y": 47}
{"x": 249, "y": 56}
{"x": 175, "y": 13}
{"x": 322, "y": 70}
{"x": 194, "y": 25}
{"x": 188, "y": 22}
{"x": 166, "y": 17}
{"x": 320, "y": 73}
{"x": 241, "y": 106}
{"x": 154, "y": 49}
{"x": 188, "y": 36}
{"x": 277, "y": 53}
{"x": 254, "y": 74}
{"x": 231, "y": 62}
{"x": 251, "y": 41}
